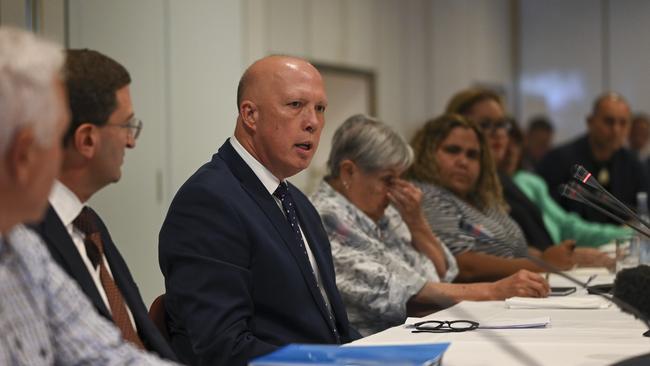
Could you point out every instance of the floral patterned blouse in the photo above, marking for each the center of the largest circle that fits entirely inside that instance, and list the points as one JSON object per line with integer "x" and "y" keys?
{"x": 377, "y": 267}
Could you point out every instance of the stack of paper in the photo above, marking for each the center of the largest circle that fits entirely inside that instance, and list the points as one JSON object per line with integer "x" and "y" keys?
{"x": 308, "y": 354}
{"x": 569, "y": 302}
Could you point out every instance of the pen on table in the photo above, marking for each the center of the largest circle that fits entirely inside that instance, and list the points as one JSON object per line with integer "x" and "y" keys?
{"x": 591, "y": 278}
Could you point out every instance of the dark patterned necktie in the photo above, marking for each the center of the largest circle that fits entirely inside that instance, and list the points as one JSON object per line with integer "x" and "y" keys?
{"x": 86, "y": 222}
{"x": 289, "y": 208}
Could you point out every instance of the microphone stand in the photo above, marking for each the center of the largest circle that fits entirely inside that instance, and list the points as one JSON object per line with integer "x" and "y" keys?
{"x": 571, "y": 193}
{"x": 585, "y": 177}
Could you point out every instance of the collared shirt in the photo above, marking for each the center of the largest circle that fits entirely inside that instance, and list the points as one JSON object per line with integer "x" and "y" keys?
{"x": 45, "y": 319}
{"x": 377, "y": 268}
{"x": 271, "y": 183}
{"x": 68, "y": 207}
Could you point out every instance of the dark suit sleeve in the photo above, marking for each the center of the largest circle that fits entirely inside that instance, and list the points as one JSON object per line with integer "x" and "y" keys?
{"x": 205, "y": 256}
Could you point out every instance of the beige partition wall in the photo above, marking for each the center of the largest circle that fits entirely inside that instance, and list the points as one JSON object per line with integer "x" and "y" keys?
{"x": 571, "y": 51}
{"x": 46, "y": 17}
{"x": 184, "y": 58}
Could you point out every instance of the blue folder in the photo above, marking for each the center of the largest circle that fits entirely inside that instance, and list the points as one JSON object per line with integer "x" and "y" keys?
{"x": 312, "y": 354}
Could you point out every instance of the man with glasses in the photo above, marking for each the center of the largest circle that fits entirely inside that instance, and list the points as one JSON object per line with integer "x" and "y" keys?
{"x": 103, "y": 125}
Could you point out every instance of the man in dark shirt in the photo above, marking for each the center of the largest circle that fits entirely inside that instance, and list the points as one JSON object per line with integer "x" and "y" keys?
{"x": 601, "y": 152}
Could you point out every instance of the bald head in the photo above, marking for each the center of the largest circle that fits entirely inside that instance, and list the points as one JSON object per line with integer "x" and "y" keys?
{"x": 608, "y": 125}
{"x": 263, "y": 71}
{"x": 281, "y": 102}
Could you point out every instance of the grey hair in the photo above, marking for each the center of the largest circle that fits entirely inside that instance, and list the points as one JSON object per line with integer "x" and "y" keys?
{"x": 370, "y": 144}
{"x": 28, "y": 67}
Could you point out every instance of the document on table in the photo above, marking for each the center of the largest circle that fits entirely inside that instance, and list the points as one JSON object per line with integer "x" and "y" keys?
{"x": 569, "y": 302}
{"x": 499, "y": 322}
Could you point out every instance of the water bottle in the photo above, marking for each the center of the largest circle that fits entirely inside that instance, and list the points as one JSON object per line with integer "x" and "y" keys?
{"x": 642, "y": 211}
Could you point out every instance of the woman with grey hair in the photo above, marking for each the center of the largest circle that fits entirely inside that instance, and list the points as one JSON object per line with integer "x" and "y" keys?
{"x": 388, "y": 262}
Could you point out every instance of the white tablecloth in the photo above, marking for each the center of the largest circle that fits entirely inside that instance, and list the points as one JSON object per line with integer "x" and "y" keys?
{"x": 574, "y": 337}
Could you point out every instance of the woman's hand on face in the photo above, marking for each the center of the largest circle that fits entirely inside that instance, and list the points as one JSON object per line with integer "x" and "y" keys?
{"x": 407, "y": 199}
{"x": 561, "y": 255}
{"x": 523, "y": 283}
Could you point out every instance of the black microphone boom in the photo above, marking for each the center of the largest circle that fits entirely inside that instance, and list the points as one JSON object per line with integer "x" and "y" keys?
{"x": 585, "y": 177}
{"x": 571, "y": 193}
{"x": 599, "y": 199}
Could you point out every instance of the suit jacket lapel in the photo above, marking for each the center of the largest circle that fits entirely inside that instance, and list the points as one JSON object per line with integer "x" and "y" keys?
{"x": 258, "y": 192}
{"x": 60, "y": 240}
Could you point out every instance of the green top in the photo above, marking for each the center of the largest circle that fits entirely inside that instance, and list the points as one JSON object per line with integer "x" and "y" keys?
{"x": 563, "y": 225}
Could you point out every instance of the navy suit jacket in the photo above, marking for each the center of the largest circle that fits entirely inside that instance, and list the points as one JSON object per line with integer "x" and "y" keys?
{"x": 238, "y": 286}
{"x": 65, "y": 253}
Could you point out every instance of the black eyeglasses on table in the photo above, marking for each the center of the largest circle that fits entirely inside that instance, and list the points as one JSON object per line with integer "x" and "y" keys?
{"x": 444, "y": 326}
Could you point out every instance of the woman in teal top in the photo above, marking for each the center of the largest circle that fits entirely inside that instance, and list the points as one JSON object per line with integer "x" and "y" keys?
{"x": 560, "y": 224}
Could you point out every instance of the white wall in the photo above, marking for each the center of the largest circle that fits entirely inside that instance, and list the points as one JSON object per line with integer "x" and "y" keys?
{"x": 629, "y": 51}
{"x": 184, "y": 61}
{"x": 471, "y": 44}
{"x": 421, "y": 51}
{"x": 561, "y": 61}
{"x": 571, "y": 51}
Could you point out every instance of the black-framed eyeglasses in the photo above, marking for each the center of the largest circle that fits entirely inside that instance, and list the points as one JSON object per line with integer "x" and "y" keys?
{"x": 134, "y": 125}
{"x": 491, "y": 126}
{"x": 444, "y": 326}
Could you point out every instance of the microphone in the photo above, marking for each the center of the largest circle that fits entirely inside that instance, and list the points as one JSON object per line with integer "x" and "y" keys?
{"x": 599, "y": 198}
{"x": 585, "y": 177}
{"x": 578, "y": 194}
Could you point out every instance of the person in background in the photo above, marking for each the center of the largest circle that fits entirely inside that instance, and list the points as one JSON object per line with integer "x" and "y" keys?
{"x": 464, "y": 205}
{"x": 103, "y": 125}
{"x": 247, "y": 263}
{"x": 45, "y": 318}
{"x": 388, "y": 262}
{"x": 602, "y": 153}
{"x": 538, "y": 141}
{"x": 485, "y": 106}
{"x": 640, "y": 136}
{"x": 560, "y": 224}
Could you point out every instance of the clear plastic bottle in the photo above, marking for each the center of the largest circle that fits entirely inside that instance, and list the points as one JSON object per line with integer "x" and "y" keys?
{"x": 644, "y": 242}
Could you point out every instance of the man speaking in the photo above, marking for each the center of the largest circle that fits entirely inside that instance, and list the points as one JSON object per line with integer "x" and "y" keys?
{"x": 246, "y": 261}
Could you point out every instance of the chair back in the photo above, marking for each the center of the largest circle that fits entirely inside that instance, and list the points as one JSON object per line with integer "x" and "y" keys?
{"x": 158, "y": 316}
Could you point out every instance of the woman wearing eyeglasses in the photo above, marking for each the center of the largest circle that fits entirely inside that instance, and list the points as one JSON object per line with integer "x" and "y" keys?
{"x": 487, "y": 109}
{"x": 388, "y": 262}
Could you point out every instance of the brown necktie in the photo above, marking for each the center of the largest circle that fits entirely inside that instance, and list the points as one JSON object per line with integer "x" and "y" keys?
{"x": 86, "y": 222}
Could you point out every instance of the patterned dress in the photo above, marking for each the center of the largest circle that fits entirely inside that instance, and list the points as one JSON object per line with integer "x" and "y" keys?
{"x": 463, "y": 227}
{"x": 377, "y": 267}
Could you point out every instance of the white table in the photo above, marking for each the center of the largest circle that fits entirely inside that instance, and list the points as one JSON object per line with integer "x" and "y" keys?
{"x": 575, "y": 337}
